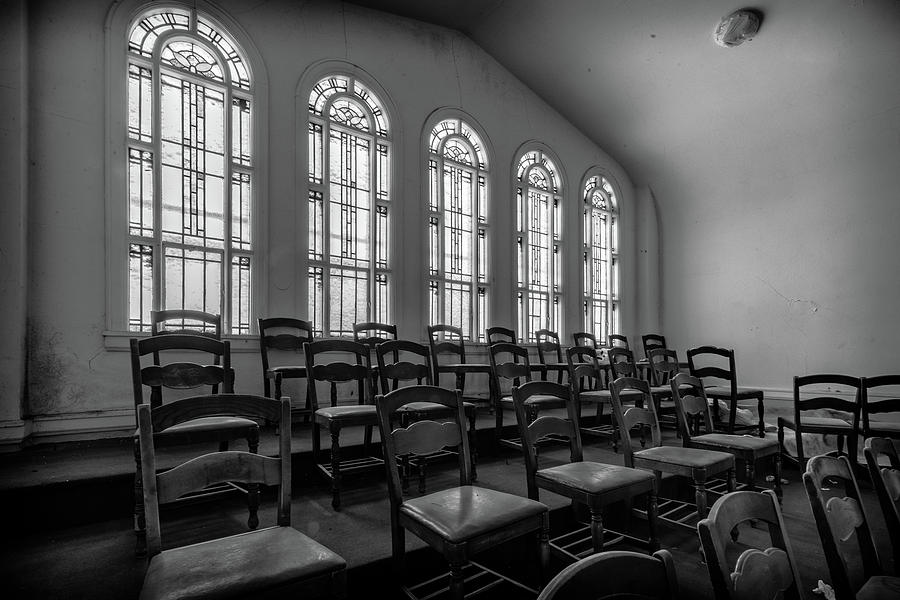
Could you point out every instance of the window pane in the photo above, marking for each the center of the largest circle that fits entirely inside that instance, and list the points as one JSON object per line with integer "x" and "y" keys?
{"x": 240, "y": 295}
{"x": 140, "y": 275}
{"x": 140, "y": 192}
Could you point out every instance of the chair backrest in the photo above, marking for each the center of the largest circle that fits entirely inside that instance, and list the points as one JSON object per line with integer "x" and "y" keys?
{"x": 395, "y": 366}
{"x": 216, "y": 467}
{"x": 616, "y": 574}
{"x": 371, "y": 333}
{"x": 663, "y": 365}
{"x": 424, "y": 436}
{"x": 880, "y": 395}
{"x": 642, "y": 416}
{"x": 757, "y": 573}
{"x": 621, "y": 363}
{"x": 179, "y": 375}
{"x": 545, "y": 425}
{"x": 691, "y": 406}
{"x": 842, "y": 523}
{"x": 355, "y": 367}
{"x": 283, "y": 334}
{"x": 509, "y": 362}
{"x": 445, "y": 339}
{"x": 711, "y": 361}
{"x": 886, "y": 481}
{"x": 584, "y": 338}
{"x": 803, "y": 401}
{"x": 548, "y": 347}
{"x": 584, "y": 370}
{"x": 500, "y": 334}
{"x": 185, "y": 322}
{"x": 649, "y": 341}
{"x": 617, "y": 340}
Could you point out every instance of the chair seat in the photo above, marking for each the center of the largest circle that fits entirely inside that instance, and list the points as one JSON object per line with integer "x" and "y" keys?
{"x": 884, "y": 426}
{"x": 660, "y": 390}
{"x": 465, "y": 368}
{"x": 462, "y": 513}
{"x": 757, "y": 445}
{"x": 288, "y": 371}
{"x": 432, "y": 407}
{"x": 605, "y": 395}
{"x": 204, "y": 424}
{"x": 830, "y": 422}
{"x": 880, "y": 587}
{"x": 721, "y": 391}
{"x": 538, "y": 401}
{"x": 596, "y": 478}
{"x": 238, "y": 566}
{"x": 711, "y": 460}
{"x": 339, "y": 413}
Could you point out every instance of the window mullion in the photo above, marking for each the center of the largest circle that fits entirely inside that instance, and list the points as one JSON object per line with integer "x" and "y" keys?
{"x": 156, "y": 143}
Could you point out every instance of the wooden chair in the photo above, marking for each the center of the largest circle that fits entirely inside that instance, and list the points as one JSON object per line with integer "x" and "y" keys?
{"x": 550, "y": 354}
{"x": 337, "y": 416}
{"x": 695, "y": 425}
{"x": 458, "y": 522}
{"x": 273, "y": 559}
{"x": 283, "y": 338}
{"x": 510, "y": 362}
{"x": 651, "y": 341}
{"x": 616, "y": 575}
{"x": 757, "y": 573}
{"x": 448, "y": 340}
{"x": 587, "y": 380}
{"x": 706, "y": 361}
{"x": 844, "y": 428}
{"x": 395, "y": 368}
{"x": 693, "y": 463}
{"x": 617, "y": 340}
{"x": 590, "y": 484}
{"x": 854, "y": 568}
{"x": 874, "y": 403}
{"x": 371, "y": 334}
{"x": 177, "y": 377}
{"x": 886, "y": 481}
{"x": 500, "y": 334}
{"x": 663, "y": 365}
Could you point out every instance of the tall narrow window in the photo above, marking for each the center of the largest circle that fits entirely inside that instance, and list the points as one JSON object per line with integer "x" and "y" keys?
{"x": 457, "y": 228}
{"x": 190, "y": 169}
{"x": 538, "y": 245}
{"x": 601, "y": 258}
{"x": 349, "y": 201}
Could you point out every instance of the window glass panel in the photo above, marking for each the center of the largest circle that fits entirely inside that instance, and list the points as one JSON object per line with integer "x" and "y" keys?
{"x": 140, "y": 103}
{"x": 601, "y": 262}
{"x": 241, "y": 151}
{"x": 240, "y": 210}
{"x": 140, "y": 192}
{"x": 240, "y": 294}
{"x": 140, "y": 275}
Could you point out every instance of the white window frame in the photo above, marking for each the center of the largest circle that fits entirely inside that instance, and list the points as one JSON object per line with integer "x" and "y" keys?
{"x": 597, "y": 185}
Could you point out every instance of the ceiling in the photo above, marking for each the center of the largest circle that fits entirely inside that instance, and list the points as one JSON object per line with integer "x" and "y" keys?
{"x": 645, "y": 81}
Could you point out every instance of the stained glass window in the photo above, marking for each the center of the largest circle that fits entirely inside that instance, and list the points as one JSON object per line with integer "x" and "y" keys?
{"x": 538, "y": 245}
{"x": 190, "y": 187}
{"x": 349, "y": 206}
{"x": 600, "y": 254}
{"x": 457, "y": 228}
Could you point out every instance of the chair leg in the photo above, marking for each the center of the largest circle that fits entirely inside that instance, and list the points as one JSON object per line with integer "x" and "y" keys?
{"x": 457, "y": 581}
{"x": 398, "y": 550}
{"x": 751, "y": 474}
{"x": 335, "y": 430}
{"x": 762, "y": 412}
{"x": 700, "y": 496}
{"x": 473, "y": 444}
{"x": 140, "y": 522}
{"x": 596, "y": 529}
{"x": 253, "y": 488}
{"x": 544, "y": 548}
{"x": 778, "y": 491}
{"x": 652, "y": 516}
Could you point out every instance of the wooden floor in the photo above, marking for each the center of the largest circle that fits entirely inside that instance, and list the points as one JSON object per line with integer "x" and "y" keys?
{"x": 67, "y": 513}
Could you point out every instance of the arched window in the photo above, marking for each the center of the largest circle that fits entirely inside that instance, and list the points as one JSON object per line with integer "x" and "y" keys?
{"x": 457, "y": 228}
{"x": 601, "y": 257}
{"x": 190, "y": 169}
{"x": 538, "y": 244}
{"x": 349, "y": 201}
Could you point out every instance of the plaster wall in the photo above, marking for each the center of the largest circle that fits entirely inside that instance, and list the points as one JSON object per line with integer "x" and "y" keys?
{"x": 77, "y": 381}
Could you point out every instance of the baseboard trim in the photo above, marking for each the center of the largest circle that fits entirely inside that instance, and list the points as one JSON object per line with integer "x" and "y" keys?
{"x": 14, "y": 434}
{"x": 89, "y": 425}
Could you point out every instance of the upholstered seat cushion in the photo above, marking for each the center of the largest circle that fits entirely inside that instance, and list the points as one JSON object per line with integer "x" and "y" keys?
{"x": 287, "y": 371}
{"x": 741, "y": 442}
{"x": 885, "y": 426}
{"x": 337, "y": 413}
{"x": 722, "y": 391}
{"x": 425, "y": 407}
{"x": 207, "y": 424}
{"x": 606, "y": 396}
{"x": 237, "y": 566}
{"x": 596, "y": 478}
{"x": 831, "y": 422}
{"x": 661, "y": 389}
{"x": 693, "y": 458}
{"x": 880, "y": 587}
{"x": 461, "y": 513}
{"x": 538, "y": 401}
{"x": 465, "y": 367}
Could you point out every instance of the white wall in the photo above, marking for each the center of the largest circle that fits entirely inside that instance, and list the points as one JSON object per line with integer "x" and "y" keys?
{"x": 75, "y": 383}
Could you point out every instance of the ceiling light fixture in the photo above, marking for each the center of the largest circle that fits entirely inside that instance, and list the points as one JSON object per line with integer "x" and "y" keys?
{"x": 738, "y": 27}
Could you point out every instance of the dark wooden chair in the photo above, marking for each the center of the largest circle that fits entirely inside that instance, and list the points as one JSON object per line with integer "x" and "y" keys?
{"x": 699, "y": 466}
{"x": 617, "y": 340}
{"x": 177, "y": 377}
{"x": 757, "y": 573}
{"x": 500, "y": 334}
{"x": 282, "y": 338}
{"x": 550, "y": 354}
{"x": 881, "y": 396}
{"x": 371, "y": 334}
{"x": 510, "y": 363}
{"x": 448, "y": 340}
{"x": 663, "y": 365}
{"x": 591, "y": 484}
{"x": 587, "y": 380}
{"x": 458, "y": 522}
{"x": 695, "y": 425}
{"x": 650, "y": 341}
{"x": 350, "y": 369}
{"x": 401, "y": 362}
{"x": 845, "y": 427}
{"x": 276, "y": 559}
{"x": 853, "y": 565}
{"x": 616, "y": 575}
{"x": 708, "y": 361}
{"x": 885, "y": 477}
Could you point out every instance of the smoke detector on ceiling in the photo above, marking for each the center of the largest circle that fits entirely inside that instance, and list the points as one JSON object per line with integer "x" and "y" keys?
{"x": 737, "y": 28}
